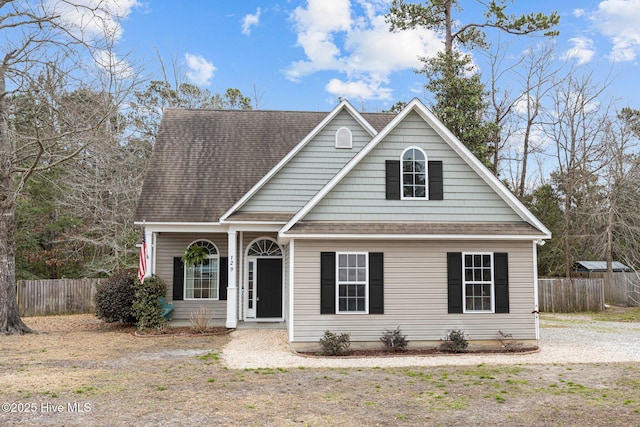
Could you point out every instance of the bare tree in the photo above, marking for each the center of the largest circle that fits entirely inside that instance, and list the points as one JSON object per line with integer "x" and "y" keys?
{"x": 576, "y": 122}
{"x": 258, "y": 94}
{"x": 38, "y": 38}
{"x": 501, "y": 100}
{"x": 620, "y": 180}
{"x": 539, "y": 77}
{"x": 102, "y": 186}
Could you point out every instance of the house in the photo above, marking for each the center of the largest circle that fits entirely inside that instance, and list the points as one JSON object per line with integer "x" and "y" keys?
{"x": 342, "y": 221}
{"x": 599, "y": 267}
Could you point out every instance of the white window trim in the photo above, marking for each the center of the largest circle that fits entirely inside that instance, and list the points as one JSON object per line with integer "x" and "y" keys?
{"x": 464, "y": 285}
{"x": 259, "y": 239}
{"x": 366, "y": 284}
{"x": 337, "y": 145}
{"x": 216, "y": 257}
{"x": 426, "y": 175}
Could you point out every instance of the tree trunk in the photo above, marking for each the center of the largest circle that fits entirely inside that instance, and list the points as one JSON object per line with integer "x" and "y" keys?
{"x": 448, "y": 36}
{"x": 525, "y": 158}
{"x": 10, "y": 322}
{"x": 566, "y": 243}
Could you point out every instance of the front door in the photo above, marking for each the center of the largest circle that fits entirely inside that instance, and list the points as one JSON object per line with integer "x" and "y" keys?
{"x": 269, "y": 288}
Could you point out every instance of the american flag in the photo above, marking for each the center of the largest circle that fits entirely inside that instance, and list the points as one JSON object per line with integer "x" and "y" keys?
{"x": 142, "y": 266}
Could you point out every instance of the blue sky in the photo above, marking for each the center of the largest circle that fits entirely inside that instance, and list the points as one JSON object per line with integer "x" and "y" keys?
{"x": 303, "y": 55}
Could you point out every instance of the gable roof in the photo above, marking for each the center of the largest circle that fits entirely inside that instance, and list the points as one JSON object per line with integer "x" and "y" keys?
{"x": 380, "y": 120}
{"x": 417, "y": 106}
{"x": 204, "y": 161}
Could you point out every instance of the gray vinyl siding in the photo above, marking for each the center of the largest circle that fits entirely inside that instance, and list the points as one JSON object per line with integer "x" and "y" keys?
{"x": 415, "y": 292}
{"x": 305, "y": 174}
{"x": 170, "y": 245}
{"x": 361, "y": 194}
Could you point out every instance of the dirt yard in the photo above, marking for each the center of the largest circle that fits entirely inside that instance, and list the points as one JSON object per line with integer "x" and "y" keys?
{"x": 83, "y": 372}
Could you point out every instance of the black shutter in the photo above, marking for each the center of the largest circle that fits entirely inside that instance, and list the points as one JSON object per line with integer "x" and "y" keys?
{"x": 224, "y": 278}
{"x": 392, "y": 168}
{"x": 454, "y": 281}
{"x": 435, "y": 180}
{"x": 178, "y": 279}
{"x": 501, "y": 278}
{"x": 376, "y": 283}
{"x": 327, "y": 283}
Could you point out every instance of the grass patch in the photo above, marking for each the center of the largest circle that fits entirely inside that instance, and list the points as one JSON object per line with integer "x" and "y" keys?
{"x": 627, "y": 314}
{"x": 442, "y": 401}
{"x": 418, "y": 374}
{"x": 209, "y": 358}
{"x": 85, "y": 390}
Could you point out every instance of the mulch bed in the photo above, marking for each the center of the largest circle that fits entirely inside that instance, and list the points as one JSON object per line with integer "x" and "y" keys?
{"x": 420, "y": 352}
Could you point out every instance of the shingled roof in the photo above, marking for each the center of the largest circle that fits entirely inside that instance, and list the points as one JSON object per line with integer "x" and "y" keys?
{"x": 206, "y": 160}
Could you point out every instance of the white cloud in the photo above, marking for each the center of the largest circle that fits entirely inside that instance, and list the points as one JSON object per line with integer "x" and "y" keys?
{"x": 199, "y": 70}
{"x": 358, "y": 90}
{"x": 520, "y": 106}
{"x": 250, "y": 21}
{"x": 578, "y": 13}
{"x": 316, "y": 27}
{"x": 582, "y": 50}
{"x": 111, "y": 64}
{"x": 323, "y": 16}
{"x": 362, "y": 48}
{"x": 93, "y": 18}
{"x": 618, "y": 20}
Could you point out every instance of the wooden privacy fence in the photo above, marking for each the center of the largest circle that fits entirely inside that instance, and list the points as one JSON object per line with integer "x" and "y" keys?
{"x": 61, "y": 296}
{"x": 619, "y": 288}
{"x": 561, "y": 295}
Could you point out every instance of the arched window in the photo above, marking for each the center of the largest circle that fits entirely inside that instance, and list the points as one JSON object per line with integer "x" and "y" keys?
{"x": 264, "y": 247}
{"x": 344, "y": 138}
{"x": 414, "y": 174}
{"x": 202, "y": 279}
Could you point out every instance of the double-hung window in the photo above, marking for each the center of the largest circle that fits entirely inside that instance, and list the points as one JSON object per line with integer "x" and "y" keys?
{"x": 352, "y": 283}
{"x": 353, "y": 278}
{"x": 478, "y": 282}
{"x": 202, "y": 279}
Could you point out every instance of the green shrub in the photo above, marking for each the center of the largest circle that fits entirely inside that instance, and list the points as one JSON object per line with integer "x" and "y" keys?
{"x": 147, "y": 308}
{"x": 114, "y": 297}
{"x": 394, "y": 340}
{"x": 454, "y": 342}
{"x": 334, "y": 344}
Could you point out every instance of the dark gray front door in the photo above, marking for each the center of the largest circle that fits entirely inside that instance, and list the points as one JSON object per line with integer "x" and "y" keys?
{"x": 269, "y": 287}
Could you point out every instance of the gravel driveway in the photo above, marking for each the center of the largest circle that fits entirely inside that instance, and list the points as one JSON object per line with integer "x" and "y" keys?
{"x": 564, "y": 339}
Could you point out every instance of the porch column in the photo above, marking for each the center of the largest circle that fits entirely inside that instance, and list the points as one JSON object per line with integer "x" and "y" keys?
{"x": 151, "y": 252}
{"x": 232, "y": 289}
